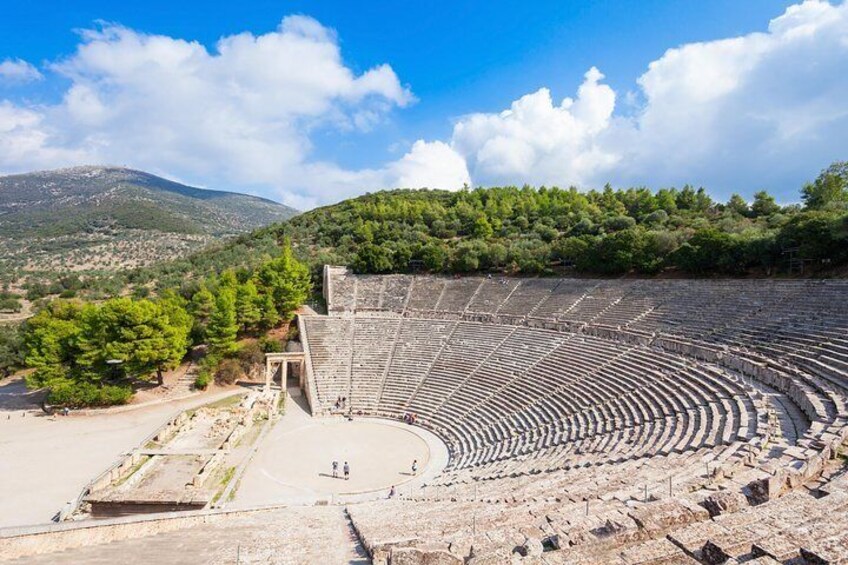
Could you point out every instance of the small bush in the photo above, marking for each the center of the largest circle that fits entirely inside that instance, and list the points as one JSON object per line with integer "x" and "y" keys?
{"x": 294, "y": 333}
{"x": 201, "y": 381}
{"x": 251, "y": 355}
{"x": 270, "y": 345}
{"x": 229, "y": 371}
{"x": 66, "y": 392}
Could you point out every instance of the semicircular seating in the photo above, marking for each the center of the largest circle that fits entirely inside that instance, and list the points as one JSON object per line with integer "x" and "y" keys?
{"x": 552, "y": 394}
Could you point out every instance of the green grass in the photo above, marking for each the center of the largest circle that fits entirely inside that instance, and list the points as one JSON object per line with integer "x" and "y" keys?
{"x": 225, "y": 480}
{"x": 227, "y": 402}
{"x": 144, "y": 459}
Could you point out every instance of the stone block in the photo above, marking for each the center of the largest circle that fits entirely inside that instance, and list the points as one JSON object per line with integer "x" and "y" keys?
{"x": 725, "y": 501}
{"x": 422, "y": 556}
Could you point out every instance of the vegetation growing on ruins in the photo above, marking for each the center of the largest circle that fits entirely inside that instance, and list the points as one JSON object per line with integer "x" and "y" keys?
{"x": 90, "y": 353}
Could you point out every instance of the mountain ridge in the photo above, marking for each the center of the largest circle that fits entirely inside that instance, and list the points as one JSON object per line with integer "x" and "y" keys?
{"x": 53, "y": 220}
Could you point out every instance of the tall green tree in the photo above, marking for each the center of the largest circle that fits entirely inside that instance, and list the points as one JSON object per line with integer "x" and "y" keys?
{"x": 269, "y": 317}
{"x": 830, "y": 186}
{"x": 248, "y": 306}
{"x": 287, "y": 280}
{"x": 223, "y": 324}
{"x": 764, "y": 204}
{"x": 738, "y": 205}
{"x": 50, "y": 340}
{"x": 201, "y": 307}
{"x": 138, "y": 333}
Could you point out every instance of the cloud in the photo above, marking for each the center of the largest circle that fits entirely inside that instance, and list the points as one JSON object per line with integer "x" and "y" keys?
{"x": 431, "y": 165}
{"x": 536, "y": 140}
{"x": 18, "y": 71}
{"x": 239, "y": 115}
{"x": 760, "y": 110}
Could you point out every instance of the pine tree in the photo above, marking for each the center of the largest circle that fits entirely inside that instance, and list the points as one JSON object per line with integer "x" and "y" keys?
{"x": 287, "y": 280}
{"x": 269, "y": 315}
{"x": 145, "y": 336}
{"x": 201, "y": 307}
{"x": 248, "y": 312}
{"x": 223, "y": 326}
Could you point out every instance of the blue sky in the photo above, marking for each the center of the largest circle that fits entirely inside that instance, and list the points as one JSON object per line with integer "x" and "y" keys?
{"x": 447, "y": 61}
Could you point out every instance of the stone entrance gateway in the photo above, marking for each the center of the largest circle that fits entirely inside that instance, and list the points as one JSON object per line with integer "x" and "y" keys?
{"x": 280, "y": 362}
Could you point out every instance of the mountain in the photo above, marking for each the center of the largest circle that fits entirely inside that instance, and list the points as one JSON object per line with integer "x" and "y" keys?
{"x": 108, "y": 218}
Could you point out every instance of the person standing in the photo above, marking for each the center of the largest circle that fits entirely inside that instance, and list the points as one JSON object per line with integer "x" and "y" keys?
{"x": 392, "y": 492}
{"x": 335, "y": 469}
{"x": 346, "y": 471}
{"x": 414, "y": 466}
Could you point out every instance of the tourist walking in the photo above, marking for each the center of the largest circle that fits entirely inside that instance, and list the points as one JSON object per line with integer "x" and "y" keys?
{"x": 346, "y": 471}
{"x": 392, "y": 492}
{"x": 335, "y": 469}
{"x": 415, "y": 466}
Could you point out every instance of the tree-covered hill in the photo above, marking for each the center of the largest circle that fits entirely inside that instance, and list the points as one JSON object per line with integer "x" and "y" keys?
{"x": 536, "y": 231}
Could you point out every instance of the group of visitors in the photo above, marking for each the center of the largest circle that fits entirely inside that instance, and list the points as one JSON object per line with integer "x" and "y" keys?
{"x": 409, "y": 417}
{"x": 345, "y": 470}
{"x": 341, "y": 402}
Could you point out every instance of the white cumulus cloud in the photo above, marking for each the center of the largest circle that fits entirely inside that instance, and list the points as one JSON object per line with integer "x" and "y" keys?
{"x": 239, "y": 115}
{"x": 767, "y": 109}
{"x": 16, "y": 71}
{"x": 762, "y": 110}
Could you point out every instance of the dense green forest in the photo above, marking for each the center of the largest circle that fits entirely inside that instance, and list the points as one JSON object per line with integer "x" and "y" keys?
{"x": 608, "y": 232}
{"x": 539, "y": 231}
{"x": 528, "y": 231}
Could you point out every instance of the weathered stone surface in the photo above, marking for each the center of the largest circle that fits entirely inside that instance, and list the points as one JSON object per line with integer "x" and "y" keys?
{"x": 532, "y": 548}
{"x": 713, "y": 554}
{"x": 828, "y": 551}
{"x": 768, "y": 488}
{"x": 422, "y": 556}
{"x": 497, "y": 557}
{"x": 661, "y": 516}
{"x": 725, "y": 501}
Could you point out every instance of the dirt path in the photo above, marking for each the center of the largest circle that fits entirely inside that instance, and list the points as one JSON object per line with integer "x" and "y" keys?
{"x": 46, "y": 461}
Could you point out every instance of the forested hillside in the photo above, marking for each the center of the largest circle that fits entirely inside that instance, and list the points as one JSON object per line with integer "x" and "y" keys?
{"x": 537, "y": 231}
{"x": 96, "y": 353}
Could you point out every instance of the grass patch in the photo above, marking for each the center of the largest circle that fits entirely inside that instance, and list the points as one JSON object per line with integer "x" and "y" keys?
{"x": 144, "y": 459}
{"x": 225, "y": 402}
{"x": 226, "y": 477}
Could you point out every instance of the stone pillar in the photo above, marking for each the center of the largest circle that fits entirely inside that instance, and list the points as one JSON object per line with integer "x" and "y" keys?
{"x": 267, "y": 374}
{"x": 285, "y": 375}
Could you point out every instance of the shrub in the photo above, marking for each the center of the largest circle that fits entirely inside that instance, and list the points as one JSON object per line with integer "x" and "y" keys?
{"x": 10, "y": 304}
{"x": 250, "y": 355}
{"x": 270, "y": 345}
{"x": 229, "y": 371}
{"x": 66, "y": 392}
{"x": 201, "y": 381}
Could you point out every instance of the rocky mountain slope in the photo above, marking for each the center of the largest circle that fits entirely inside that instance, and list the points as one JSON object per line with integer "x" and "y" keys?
{"x": 108, "y": 218}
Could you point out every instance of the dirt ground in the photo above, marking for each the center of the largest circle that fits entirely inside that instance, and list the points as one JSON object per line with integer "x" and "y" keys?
{"x": 293, "y": 463}
{"x": 45, "y": 461}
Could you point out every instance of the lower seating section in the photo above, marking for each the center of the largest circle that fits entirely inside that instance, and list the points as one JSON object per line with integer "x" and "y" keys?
{"x": 372, "y": 346}
{"x": 330, "y": 356}
{"x": 518, "y": 400}
{"x": 570, "y": 526}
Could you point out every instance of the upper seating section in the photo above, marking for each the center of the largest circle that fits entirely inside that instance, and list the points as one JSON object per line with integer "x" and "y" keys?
{"x": 801, "y": 322}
